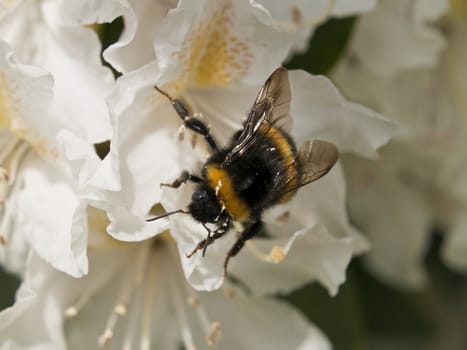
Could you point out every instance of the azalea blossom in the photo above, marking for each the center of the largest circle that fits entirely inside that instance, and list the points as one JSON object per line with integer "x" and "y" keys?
{"x": 52, "y": 88}
{"x": 415, "y": 75}
{"x": 136, "y": 296}
{"x": 145, "y": 22}
{"x": 217, "y": 71}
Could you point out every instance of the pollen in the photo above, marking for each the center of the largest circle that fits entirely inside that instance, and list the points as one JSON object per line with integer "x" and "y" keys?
{"x": 12, "y": 120}
{"x": 104, "y": 339}
{"x": 277, "y": 254}
{"x": 213, "y": 334}
{"x": 297, "y": 16}
{"x": 71, "y": 312}
{"x": 6, "y": 111}
{"x": 212, "y": 55}
{"x": 120, "y": 309}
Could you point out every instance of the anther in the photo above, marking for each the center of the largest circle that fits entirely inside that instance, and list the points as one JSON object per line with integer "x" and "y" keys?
{"x": 213, "y": 334}
{"x": 104, "y": 339}
{"x": 4, "y": 177}
{"x": 284, "y": 217}
{"x": 297, "y": 16}
{"x": 120, "y": 309}
{"x": 229, "y": 292}
{"x": 277, "y": 254}
{"x": 181, "y": 132}
{"x": 71, "y": 312}
{"x": 194, "y": 302}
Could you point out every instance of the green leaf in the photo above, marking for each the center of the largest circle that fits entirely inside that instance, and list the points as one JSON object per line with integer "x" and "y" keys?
{"x": 325, "y": 47}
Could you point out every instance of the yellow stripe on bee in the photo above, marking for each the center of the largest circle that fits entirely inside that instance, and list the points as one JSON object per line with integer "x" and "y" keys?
{"x": 286, "y": 151}
{"x": 220, "y": 180}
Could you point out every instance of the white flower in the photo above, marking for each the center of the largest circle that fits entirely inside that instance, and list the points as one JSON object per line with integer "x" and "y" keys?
{"x": 218, "y": 70}
{"x": 419, "y": 181}
{"x": 145, "y": 22}
{"x": 52, "y": 88}
{"x": 303, "y": 17}
{"x": 135, "y": 296}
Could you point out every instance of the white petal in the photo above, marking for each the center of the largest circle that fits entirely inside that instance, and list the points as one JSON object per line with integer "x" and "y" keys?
{"x": 276, "y": 324}
{"x": 398, "y": 36}
{"x": 455, "y": 246}
{"x": 134, "y": 48}
{"x": 312, "y": 255}
{"x": 213, "y": 43}
{"x": 203, "y": 273}
{"x": 321, "y": 112}
{"x": 54, "y": 219}
{"x": 379, "y": 194}
{"x": 81, "y": 82}
{"x": 87, "y": 12}
{"x": 143, "y": 155}
{"x": 25, "y": 96}
{"x": 352, "y": 7}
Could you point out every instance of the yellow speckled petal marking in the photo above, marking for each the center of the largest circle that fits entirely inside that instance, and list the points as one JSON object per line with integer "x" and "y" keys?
{"x": 220, "y": 180}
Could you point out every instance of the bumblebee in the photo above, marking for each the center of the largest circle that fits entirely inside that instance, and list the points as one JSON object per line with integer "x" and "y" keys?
{"x": 259, "y": 168}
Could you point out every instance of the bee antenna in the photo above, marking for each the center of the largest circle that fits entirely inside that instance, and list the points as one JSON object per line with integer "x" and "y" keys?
{"x": 163, "y": 93}
{"x": 168, "y": 214}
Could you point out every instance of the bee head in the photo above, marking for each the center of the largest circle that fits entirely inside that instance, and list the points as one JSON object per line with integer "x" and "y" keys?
{"x": 204, "y": 206}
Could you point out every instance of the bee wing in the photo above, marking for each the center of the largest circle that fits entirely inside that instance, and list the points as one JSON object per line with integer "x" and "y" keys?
{"x": 314, "y": 160}
{"x": 271, "y": 107}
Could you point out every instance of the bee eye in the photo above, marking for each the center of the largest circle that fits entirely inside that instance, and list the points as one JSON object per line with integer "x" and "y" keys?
{"x": 198, "y": 196}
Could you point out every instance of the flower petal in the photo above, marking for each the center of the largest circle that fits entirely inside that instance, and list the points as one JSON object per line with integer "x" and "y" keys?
{"x": 57, "y": 228}
{"x": 39, "y": 37}
{"x": 312, "y": 254}
{"x": 397, "y": 36}
{"x": 277, "y": 325}
{"x": 135, "y": 48}
{"x": 321, "y": 112}
{"x": 399, "y": 237}
{"x": 218, "y": 43}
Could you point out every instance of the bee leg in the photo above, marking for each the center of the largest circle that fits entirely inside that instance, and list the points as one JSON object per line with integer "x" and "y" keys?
{"x": 193, "y": 123}
{"x": 184, "y": 177}
{"x": 248, "y": 233}
{"x": 217, "y": 233}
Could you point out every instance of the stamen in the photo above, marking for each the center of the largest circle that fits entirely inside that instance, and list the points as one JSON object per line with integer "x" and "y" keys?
{"x": 275, "y": 256}
{"x": 74, "y": 309}
{"x": 182, "y": 318}
{"x": 16, "y": 159}
{"x": 297, "y": 20}
{"x": 228, "y": 292}
{"x": 6, "y": 151}
{"x": 127, "y": 286}
{"x": 135, "y": 311}
{"x": 149, "y": 302}
{"x": 71, "y": 311}
{"x": 213, "y": 334}
{"x": 104, "y": 339}
{"x": 6, "y": 223}
{"x": 211, "y": 329}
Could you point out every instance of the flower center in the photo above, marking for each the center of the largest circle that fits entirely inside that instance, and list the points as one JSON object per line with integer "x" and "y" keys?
{"x": 12, "y": 121}
{"x": 153, "y": 282}
{"x": 213, "y": 55}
